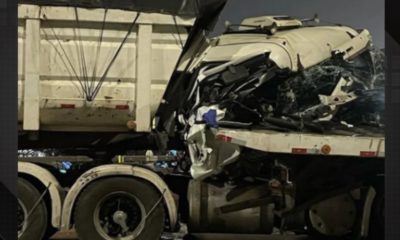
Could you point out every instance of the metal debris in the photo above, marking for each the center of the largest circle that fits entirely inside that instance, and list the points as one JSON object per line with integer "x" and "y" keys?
{"x": 254, "y": 92}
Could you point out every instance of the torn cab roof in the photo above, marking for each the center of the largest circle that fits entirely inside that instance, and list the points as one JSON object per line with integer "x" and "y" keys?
{"x": 292, "y": 49}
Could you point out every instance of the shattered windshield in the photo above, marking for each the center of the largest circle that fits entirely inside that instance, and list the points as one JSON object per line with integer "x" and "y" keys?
{"x": 336, "y": 95}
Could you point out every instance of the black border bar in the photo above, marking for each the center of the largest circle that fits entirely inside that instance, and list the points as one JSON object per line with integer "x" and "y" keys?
{"x": 8, "y": 123}
{"x": 392, "y": 171}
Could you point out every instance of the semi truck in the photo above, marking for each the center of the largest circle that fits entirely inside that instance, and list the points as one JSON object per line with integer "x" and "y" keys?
{"x": 134, "y": 122}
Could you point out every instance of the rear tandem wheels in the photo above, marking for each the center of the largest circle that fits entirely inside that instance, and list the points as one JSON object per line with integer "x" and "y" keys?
{"x": 107, "y": 202}
{"x": 126, "y": 202}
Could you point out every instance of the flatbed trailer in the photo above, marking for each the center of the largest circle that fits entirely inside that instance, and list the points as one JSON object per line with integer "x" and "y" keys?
{"x": 64, "y": 198}
{"x": 306, "y": 143}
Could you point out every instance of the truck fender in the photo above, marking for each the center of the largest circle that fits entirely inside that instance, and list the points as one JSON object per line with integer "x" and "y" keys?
{"x": 48, "y": 180}
{"x": 110, "y": 170}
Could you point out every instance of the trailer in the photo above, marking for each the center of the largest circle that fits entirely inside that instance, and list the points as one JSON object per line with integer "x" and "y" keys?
{"x": 213, "y": 207}
{"x": 78, "y": 69}
{"x": 178, "y": 129}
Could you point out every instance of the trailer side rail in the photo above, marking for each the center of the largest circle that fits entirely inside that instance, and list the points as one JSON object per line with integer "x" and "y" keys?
{"x": 305, "y": 143}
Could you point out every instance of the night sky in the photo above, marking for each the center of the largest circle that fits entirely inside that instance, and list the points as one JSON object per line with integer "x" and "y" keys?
{"x": 367, "y": 14}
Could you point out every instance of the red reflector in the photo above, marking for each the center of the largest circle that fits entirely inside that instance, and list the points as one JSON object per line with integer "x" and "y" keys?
{"x": 299, "y": 150}
{"x": 224, "y": 138}
{"x": 71, "y": 106}
{"x": 367, "y": 154}
{"x": 122, "y": 107}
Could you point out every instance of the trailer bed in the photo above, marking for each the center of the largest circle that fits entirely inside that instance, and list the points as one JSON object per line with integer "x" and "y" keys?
{"x": 305, "y": 143}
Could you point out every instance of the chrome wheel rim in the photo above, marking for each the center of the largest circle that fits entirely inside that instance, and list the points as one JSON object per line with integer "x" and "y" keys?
{"x": 22, "y": 213}
{"x": 119, "y": 215}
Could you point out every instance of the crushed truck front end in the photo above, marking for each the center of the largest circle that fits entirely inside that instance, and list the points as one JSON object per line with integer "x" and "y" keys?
{"x": 287, "y": 117}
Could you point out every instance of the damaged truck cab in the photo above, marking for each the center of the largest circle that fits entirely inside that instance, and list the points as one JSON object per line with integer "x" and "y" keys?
{"x": 261, "y": 56}
{"x": 276, "y": 126}
{"x": 272, "y": 123}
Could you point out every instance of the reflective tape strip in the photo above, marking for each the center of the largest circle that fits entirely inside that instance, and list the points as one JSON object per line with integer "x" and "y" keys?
{"x": 122, "y": 107}
{"x": 65, "y": 105}
{"x": 223, "y": 138}
{"x": 368, "y": 154}
{"x": 299, "y": 150}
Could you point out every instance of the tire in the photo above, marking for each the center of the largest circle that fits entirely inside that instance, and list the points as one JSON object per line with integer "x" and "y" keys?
{"x": 36, "y": 225}
{"x": 377, "y": 222}
{"x": 347, "y": 208}
{"x": 87, "y": 207}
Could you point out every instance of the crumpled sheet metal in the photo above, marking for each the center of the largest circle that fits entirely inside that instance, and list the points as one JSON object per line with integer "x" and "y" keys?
{"x": 208, "y": 156}
{"x": 254, "y": 92}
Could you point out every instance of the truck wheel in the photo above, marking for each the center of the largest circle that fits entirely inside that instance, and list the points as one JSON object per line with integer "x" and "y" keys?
{"x": 377, "y": 223}
{"x": 35, "y": 226}
{"x": 332, "y": 218}
{"x": 116, "y": 208}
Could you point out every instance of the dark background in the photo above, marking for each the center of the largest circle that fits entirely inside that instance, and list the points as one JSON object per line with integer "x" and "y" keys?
{"x": 8, "y": 114}
{"x": 369, "y": 14}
